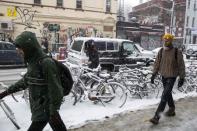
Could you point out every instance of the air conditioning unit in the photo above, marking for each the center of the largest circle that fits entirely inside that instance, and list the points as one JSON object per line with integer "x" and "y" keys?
{"x": 6, "y": 25}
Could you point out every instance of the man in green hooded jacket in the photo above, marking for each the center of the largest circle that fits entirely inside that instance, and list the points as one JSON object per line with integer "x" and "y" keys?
{"x": 43, "y": 82}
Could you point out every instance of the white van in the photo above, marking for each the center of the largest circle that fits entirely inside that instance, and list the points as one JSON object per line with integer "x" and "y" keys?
{"x": 112, "y": 53}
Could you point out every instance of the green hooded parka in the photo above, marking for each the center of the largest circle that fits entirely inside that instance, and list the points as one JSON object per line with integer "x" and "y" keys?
{"x": 42, "y": 79}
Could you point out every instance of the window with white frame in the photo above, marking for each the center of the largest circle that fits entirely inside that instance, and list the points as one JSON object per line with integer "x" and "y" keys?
{"x": 187, "y": 23}
{"x": 193, "y": 21}
{"x": 79, "y": 4}
{"x": 188, "y": 6}
{"x": 60, "y": 3}
{"x": 37, "y": 1}
{"x": 108, "y": 5}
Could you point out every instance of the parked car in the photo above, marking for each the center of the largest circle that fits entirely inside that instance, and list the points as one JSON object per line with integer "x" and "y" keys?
{"x": 112, "y": 52}
{"x": 9, "y": 56}
{"x": 191, "y": 50}
{"x": 144, "y": 52}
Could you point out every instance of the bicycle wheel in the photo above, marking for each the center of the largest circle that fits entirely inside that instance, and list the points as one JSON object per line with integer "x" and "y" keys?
{"x": 9, "y": 113}
{"x": 71, "y": 98}
{"x": 120, "y": 93}
{"x": 188, "y": 86}
{"x": 152, "y": 90}
{"x": 112, "y": 92}
{"x": 78, "y": 90}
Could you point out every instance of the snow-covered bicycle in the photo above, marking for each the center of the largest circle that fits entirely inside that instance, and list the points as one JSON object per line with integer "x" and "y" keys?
{"x": 100, "y": 90}
{"x": 6, "y": 109}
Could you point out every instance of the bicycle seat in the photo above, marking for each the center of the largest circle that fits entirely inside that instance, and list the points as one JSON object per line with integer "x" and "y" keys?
{"x": 104, "y": 75}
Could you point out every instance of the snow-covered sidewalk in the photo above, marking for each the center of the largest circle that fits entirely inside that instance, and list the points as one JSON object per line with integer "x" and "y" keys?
{"x": 76, "y": 116}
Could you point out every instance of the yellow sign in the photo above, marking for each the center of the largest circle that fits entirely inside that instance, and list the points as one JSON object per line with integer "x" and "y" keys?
{"x": 11, "y": 12}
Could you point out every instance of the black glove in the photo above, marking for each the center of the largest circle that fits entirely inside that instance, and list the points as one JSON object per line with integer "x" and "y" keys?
{"x": 152, "y": 78}
{"x": 3, "y": 94}
{"x": 180, "y": 83}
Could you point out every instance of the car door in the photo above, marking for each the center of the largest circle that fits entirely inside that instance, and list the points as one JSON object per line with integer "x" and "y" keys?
{"x": 2, "y": 55}
{"x": 9, "y": 54}
{"x": 76, "y": 54}
{"x": 108, "y": 51}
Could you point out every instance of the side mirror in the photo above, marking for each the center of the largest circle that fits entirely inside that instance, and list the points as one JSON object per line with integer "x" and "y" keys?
{"x": 137, "y": 54}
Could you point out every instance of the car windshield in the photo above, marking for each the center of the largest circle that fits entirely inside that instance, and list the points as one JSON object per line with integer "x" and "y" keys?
{"x": 77, "y": 45}
{"x": 129, "y": 47}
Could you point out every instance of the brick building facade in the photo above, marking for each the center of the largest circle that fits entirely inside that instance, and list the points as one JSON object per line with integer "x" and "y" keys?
{"x": 160, "y": 11}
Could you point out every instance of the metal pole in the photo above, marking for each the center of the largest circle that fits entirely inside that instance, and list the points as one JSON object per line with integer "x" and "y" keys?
{"x": 172, "y": 15}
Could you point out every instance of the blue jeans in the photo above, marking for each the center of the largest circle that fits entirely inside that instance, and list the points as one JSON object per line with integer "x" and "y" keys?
{"x": 166, "y": 97}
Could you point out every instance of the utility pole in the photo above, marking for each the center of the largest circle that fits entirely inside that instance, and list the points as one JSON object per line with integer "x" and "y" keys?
{"x": 172, "y": 17}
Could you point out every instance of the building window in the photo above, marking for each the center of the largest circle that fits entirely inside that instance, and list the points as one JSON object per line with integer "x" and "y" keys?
{"x": 37, "y": 2}
{"x": 187, "y": 21}
{"x": 60, "y": 3}
{"x": 193, "y": 21}
{"x": 188, "y": 4}
{"x": 108, "y": 5}
{"x": 79, "y": 4}
{"x": 195, "y": 6}
{"x": 194, "y": 39}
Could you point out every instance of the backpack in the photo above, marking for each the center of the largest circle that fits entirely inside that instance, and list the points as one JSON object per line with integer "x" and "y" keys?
{"x": 175, "y": 53}
{"x": 64, "y": 73}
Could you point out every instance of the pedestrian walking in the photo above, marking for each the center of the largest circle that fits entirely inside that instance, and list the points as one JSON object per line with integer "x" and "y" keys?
{"x": 92, "y": 53}
{"x": 169, "y": 64}
{"x": 45, "y": 90}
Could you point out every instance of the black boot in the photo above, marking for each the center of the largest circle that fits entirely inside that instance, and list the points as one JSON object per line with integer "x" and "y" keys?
{"x": 155, "y": 120}
{"x": 170, "y": 112}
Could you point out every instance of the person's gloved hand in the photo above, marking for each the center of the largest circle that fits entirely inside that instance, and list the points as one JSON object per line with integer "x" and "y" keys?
{"x": 3, "y": 94}
{"x": 180, "y": 83}
{"x": 152, "y": 78}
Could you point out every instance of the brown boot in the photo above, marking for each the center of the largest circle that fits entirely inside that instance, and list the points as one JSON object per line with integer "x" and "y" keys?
{"x": 170, "y": 112}
{"x": 154, "y": 120}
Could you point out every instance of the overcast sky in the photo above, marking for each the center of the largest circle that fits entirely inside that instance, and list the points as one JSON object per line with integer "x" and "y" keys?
{"x": 133, "y": 2}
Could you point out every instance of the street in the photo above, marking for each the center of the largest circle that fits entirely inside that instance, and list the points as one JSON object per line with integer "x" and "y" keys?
{"x": 9, "y": 76}
{"x": 185, "y": 120}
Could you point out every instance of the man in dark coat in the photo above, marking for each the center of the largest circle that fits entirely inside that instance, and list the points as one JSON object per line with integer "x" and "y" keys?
{"x": 43, "y": 82}
{"x": 92, "y": 53}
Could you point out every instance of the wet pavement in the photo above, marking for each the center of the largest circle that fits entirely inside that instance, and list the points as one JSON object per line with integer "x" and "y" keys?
{"x": 185, "y": 120}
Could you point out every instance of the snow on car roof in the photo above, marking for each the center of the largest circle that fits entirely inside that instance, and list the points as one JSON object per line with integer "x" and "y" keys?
{"x": 99, "y": 39}
{"x": 5, "y": 42}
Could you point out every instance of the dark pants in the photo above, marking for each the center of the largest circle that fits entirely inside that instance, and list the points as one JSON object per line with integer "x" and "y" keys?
{"x": 56, "y": 125}
{"x": 166, "y": 97}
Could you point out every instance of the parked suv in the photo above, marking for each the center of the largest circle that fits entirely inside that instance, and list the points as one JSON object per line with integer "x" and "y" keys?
{"x": 112, "y": 53}
{"x": 191, "y": 50}
{"x": 9, "y": 56}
